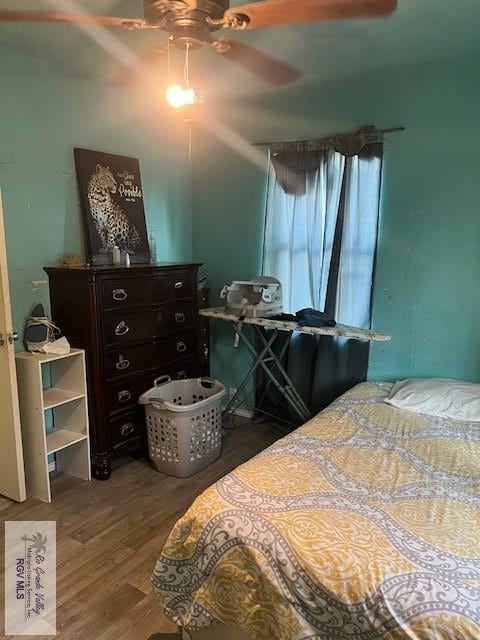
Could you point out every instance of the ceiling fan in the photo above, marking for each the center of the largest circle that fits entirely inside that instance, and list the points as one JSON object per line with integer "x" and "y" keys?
{"x": 190, "y": 24}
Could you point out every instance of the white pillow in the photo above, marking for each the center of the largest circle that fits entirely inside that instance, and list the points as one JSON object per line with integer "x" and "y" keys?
{"x": 438, "y": 397}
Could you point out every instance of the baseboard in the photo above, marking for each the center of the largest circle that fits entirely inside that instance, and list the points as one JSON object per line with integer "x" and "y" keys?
{"x": 52, "y": 466}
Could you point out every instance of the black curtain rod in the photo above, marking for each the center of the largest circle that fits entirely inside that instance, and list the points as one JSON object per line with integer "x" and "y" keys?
{"x": 267, "y": 144}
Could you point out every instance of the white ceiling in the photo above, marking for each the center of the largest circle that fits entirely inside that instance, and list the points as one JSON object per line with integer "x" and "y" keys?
{"x": 420, "y": 31}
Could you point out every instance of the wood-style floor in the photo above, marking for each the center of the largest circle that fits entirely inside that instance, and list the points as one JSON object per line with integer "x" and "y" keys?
{"x": 109, "y": 535}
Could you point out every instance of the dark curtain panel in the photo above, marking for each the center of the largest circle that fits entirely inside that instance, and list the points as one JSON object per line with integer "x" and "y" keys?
{"x": 324, "y": 367}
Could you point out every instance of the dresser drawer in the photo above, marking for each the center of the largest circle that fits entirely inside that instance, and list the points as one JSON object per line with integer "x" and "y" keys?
{"x": 127, "y": 428}
{"x": 137, "y": 358}
{"x": 132, "y": 326}
{"x": 126, "y": 327}
{"x": 124, "y": 293}
{"x": 179, "y": 315}
{"x": 182, "y": 346}
{"x": 124, "y": 395}
{"x": 174, "y": 286}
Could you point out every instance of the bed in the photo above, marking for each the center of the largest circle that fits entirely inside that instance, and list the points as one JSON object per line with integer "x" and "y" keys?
{"x": 361, "y": 525}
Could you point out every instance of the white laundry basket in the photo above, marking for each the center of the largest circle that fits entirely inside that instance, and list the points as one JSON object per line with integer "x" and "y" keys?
{"x": 184, "y": 424}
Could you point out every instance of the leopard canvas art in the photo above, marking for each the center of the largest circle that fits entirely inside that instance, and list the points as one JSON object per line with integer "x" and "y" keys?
{"x": 111, "y": 223}
{"x": 112, "y": 201}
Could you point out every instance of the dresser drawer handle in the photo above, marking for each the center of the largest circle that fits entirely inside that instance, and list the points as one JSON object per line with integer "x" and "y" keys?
{"x": 127, "y": 429}
{"x": 124, "y": 396}
{"x": 122, "y": 328}
{"x": 179, "y": 318}
{"x": 119, "y": 295}
{"x": 178, "y": 285}
{"x": 181, "y": 375}
{"x": 181, "y": 347}
{"x": 122, "y": 363}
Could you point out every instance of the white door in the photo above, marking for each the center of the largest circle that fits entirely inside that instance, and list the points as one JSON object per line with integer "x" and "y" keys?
{"x": 12, "y": 477}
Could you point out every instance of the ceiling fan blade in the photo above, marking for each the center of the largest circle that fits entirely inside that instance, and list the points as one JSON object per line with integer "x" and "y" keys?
{"x": 145, "y": 66}
{"x": 7, "y": 15}
{"x": 270, "y": 13}
{"x": 270, "y": 69}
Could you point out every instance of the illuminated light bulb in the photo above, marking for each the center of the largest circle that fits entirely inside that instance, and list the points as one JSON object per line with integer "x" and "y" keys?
{"x": 175, "y": 97}
{"x": 178, "y": 97}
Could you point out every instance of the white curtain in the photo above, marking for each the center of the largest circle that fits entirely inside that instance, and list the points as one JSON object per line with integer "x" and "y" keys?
{"x": 299, "y": 232}
{"x": 359, "y": 238}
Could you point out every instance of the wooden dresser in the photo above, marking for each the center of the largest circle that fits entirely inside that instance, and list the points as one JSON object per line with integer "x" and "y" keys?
{"x": 135, "y": 323}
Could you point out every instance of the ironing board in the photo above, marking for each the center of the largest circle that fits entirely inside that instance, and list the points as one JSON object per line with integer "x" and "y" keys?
{"x": 264, "y": 356}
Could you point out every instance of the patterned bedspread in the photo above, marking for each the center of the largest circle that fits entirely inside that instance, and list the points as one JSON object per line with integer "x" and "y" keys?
{"x": 363, "y": 524}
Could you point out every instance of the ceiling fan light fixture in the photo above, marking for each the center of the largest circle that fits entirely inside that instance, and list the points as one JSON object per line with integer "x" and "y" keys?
{"x": 190, "y": 24}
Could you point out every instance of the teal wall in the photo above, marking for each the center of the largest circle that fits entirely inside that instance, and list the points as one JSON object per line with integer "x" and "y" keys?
{"x": 428, "y": 264}
{"x": 428, "y": 259}
{"x": 228, "y": 204}
{"x": 43, "y": 116}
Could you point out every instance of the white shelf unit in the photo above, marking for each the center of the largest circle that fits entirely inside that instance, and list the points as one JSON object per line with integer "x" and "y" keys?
{"x": 65, "y": 399}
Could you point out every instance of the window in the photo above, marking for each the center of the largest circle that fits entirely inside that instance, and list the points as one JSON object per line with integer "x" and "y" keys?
{"x": 321, "y": 230}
